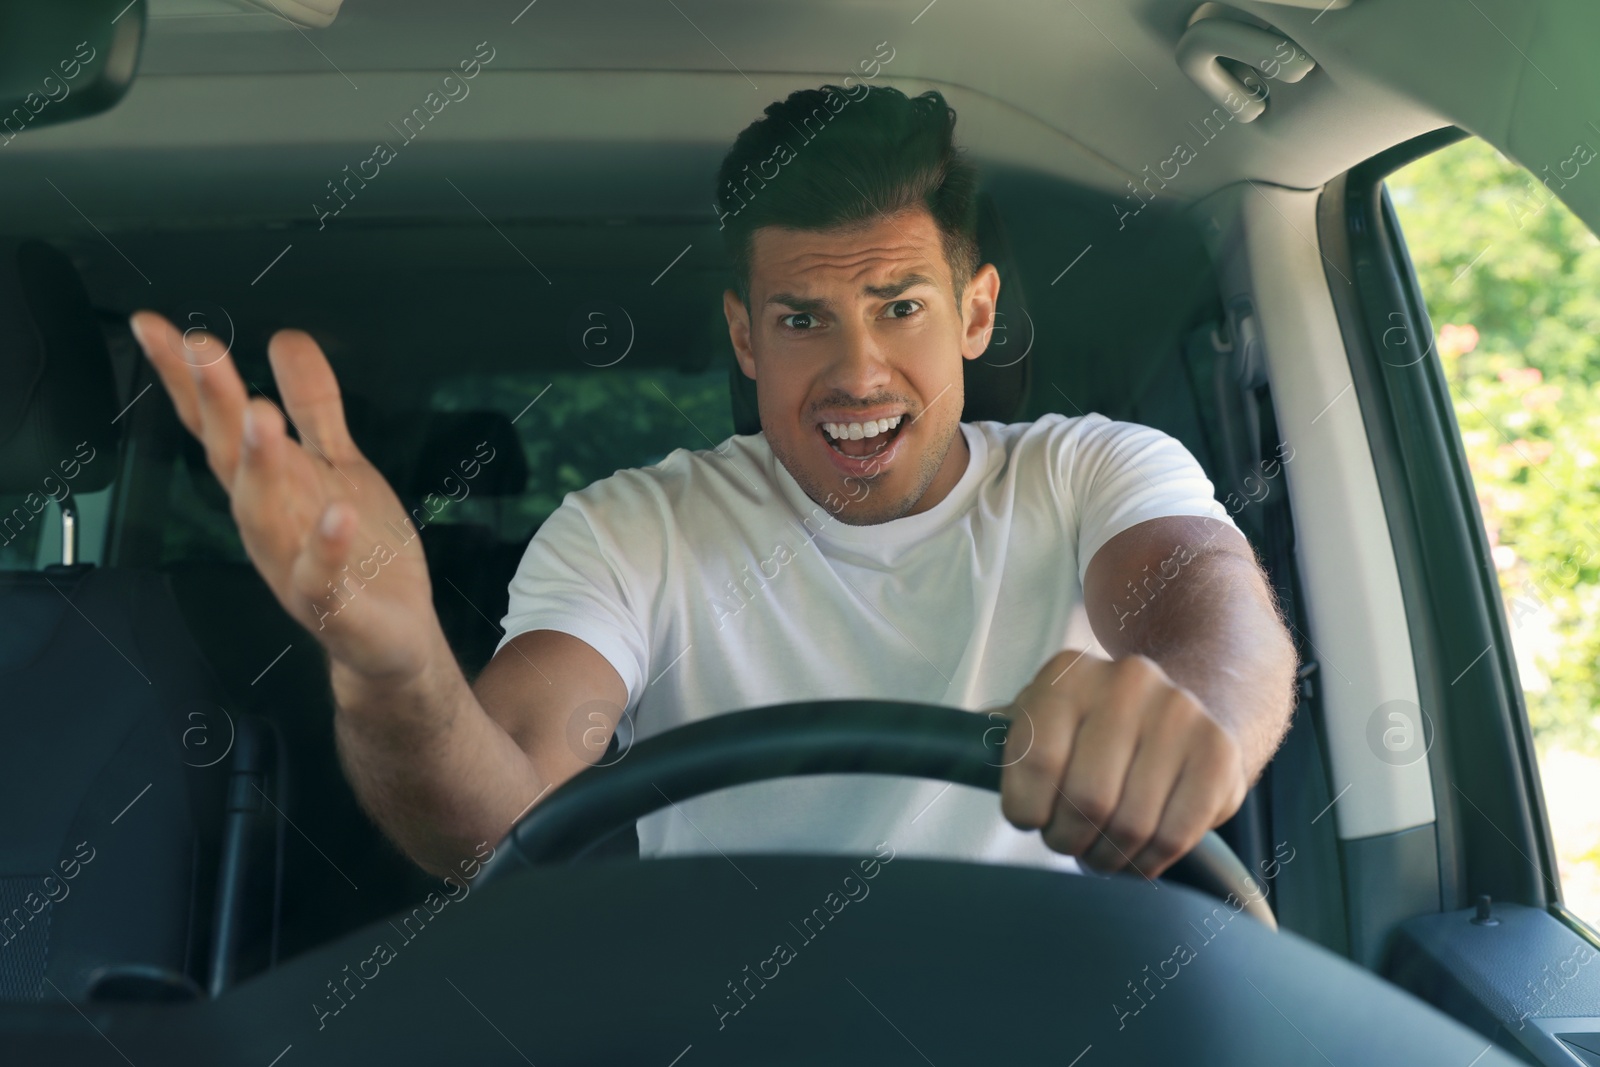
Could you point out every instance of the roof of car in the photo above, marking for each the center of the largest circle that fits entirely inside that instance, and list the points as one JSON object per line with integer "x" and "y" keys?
{"x": 1087, "y": 89}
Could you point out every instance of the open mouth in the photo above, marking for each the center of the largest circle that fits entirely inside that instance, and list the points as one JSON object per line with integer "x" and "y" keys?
{"x": 862, "y": 440}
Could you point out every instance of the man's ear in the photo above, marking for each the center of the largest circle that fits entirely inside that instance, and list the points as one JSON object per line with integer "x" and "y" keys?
{"x": 739, "y": 332}
{"x": 978, "y": 310}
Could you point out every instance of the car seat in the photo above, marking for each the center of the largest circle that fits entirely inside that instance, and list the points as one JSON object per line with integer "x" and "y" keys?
{"x": 140, "y": 854}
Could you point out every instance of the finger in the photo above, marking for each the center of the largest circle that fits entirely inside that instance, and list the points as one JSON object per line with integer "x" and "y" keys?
{"x": 1089, "y": 791}
{"x": 272, "y": 504}
{"x": 1152, "y": 776}
{"x": 162, "y": 346}
{"x": 221, "y": 399}
{"x": 310, "y": 393}
{"x": 1103, "y": 750}
{"x": 1035, "y": 756}
{"x": 206, "y": 391}
{"x": 1191, "y": 810}
{"x": 320, "y": 565}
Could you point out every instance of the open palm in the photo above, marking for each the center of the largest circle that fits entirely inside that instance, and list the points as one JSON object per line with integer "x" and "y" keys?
{"x": 319, "y": 522}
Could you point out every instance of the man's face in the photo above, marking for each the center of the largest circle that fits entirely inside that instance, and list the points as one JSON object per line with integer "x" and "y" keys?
{"x": 853, "y": 326}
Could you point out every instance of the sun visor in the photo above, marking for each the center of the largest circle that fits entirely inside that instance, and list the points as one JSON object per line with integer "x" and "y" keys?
{"x": 314, "y": 14}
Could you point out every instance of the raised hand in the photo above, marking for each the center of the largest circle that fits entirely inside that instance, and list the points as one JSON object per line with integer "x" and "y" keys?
{"x": 319, "y": 522}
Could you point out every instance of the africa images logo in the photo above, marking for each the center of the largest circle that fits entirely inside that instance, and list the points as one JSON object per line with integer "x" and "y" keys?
{"x": 456, "y": 889}
{"x": 52, "y": 90}
{"x": 855, "y": 889}
{"x": 1399, "y": 732}
{"x": 833, "y": 103}
{"x": 455, "y": 89}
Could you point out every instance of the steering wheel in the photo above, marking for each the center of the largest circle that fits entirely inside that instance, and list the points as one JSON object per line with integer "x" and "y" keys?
{"x": 812, "y": 737}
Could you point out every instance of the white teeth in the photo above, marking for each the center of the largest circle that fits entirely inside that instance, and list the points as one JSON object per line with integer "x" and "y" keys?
{"x": 855, "y": 431}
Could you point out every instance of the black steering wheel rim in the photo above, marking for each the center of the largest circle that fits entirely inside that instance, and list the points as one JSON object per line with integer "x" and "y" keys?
{"x": 809, "y": 737}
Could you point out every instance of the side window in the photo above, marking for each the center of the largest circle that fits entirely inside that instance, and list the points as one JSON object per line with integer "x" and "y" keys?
{"x": 645, "y": 415}
{"x": 196, "y": 521}
{"x": 1512, "y": 282}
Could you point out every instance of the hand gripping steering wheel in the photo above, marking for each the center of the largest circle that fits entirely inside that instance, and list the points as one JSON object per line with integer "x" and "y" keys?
{"x": 811, "y": 737}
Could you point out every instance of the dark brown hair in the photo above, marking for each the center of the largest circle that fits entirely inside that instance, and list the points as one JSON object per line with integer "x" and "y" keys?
{"x": 829, "y": 157}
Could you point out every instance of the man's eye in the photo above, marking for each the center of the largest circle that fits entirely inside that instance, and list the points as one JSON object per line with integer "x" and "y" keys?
{"x": 807, "y": 321}
{"x": 913, "y": 305}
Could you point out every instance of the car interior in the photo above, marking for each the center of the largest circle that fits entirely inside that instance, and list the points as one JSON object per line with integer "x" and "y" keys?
{"x": 538, "y": 279}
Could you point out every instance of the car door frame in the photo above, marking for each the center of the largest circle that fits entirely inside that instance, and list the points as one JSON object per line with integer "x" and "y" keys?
{"x": 1493, "y": 833}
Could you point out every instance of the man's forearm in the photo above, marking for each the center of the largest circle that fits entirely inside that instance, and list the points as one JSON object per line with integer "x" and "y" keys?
{"x": 429, "y": 764}
{"x": 1216, "y": 631}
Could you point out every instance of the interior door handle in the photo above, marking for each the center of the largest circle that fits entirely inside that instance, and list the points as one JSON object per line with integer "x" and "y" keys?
{"x": 1270, "y": 52}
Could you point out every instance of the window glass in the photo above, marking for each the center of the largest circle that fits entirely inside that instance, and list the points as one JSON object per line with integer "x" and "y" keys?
{"x": 196, "y": 524}
{"x": 584, "y": 426}
{"x": 1512, "y": 282}
{"x": 574, "y": 428}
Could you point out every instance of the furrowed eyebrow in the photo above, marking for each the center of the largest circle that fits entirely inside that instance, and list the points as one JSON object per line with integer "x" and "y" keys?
{"x": 895, "y": 288}
{"x": 798, "y": 303}
{"x": 881, "y": 292}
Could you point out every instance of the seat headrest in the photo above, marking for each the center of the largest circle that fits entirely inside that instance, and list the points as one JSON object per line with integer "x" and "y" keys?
{"x": 420, "y": 451}
{"x": 58, "y": 395}
{"x": 997, "y": 382}
{"x": 476, "y": 449}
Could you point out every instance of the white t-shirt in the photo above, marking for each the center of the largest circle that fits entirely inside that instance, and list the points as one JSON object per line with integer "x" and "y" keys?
{"x": 712, "y": 583}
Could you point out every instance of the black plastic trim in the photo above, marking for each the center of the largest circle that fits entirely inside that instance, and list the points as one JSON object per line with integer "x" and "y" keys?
{"x": 1522, "y": 966}
{"x": 1388, "y": 879}
{"x": 1491, "y": 832}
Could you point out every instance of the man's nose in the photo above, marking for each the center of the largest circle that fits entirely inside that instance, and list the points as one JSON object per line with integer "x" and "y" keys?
{"x": 860, "y": 367}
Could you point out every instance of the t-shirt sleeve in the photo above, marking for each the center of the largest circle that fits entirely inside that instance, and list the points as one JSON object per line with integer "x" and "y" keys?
{"x": 1119, "y": 474}
{"x": 574, "y": 578}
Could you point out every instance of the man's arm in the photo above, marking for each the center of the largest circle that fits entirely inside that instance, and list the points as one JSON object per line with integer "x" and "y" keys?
{"x": 443, "y": 766}
{"x": 439, "y": 767}
{"x": 1214, "y": 627}
{"x": 1128, "y": 761}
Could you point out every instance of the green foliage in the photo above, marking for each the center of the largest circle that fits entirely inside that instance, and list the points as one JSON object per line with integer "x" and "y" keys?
{"x": 583, "y": 426}
{"x": 1512, "y": 282}
{"x": 586, "y": 426}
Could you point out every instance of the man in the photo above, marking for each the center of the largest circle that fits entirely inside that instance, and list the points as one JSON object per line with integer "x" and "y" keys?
{"x": 867, "y": 543}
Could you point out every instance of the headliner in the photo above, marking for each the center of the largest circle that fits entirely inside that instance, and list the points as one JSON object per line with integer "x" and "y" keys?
{"x": 1086, "y": 90}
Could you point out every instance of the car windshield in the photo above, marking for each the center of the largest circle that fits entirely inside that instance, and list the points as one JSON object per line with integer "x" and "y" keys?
{"x": 511, "y": 506}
